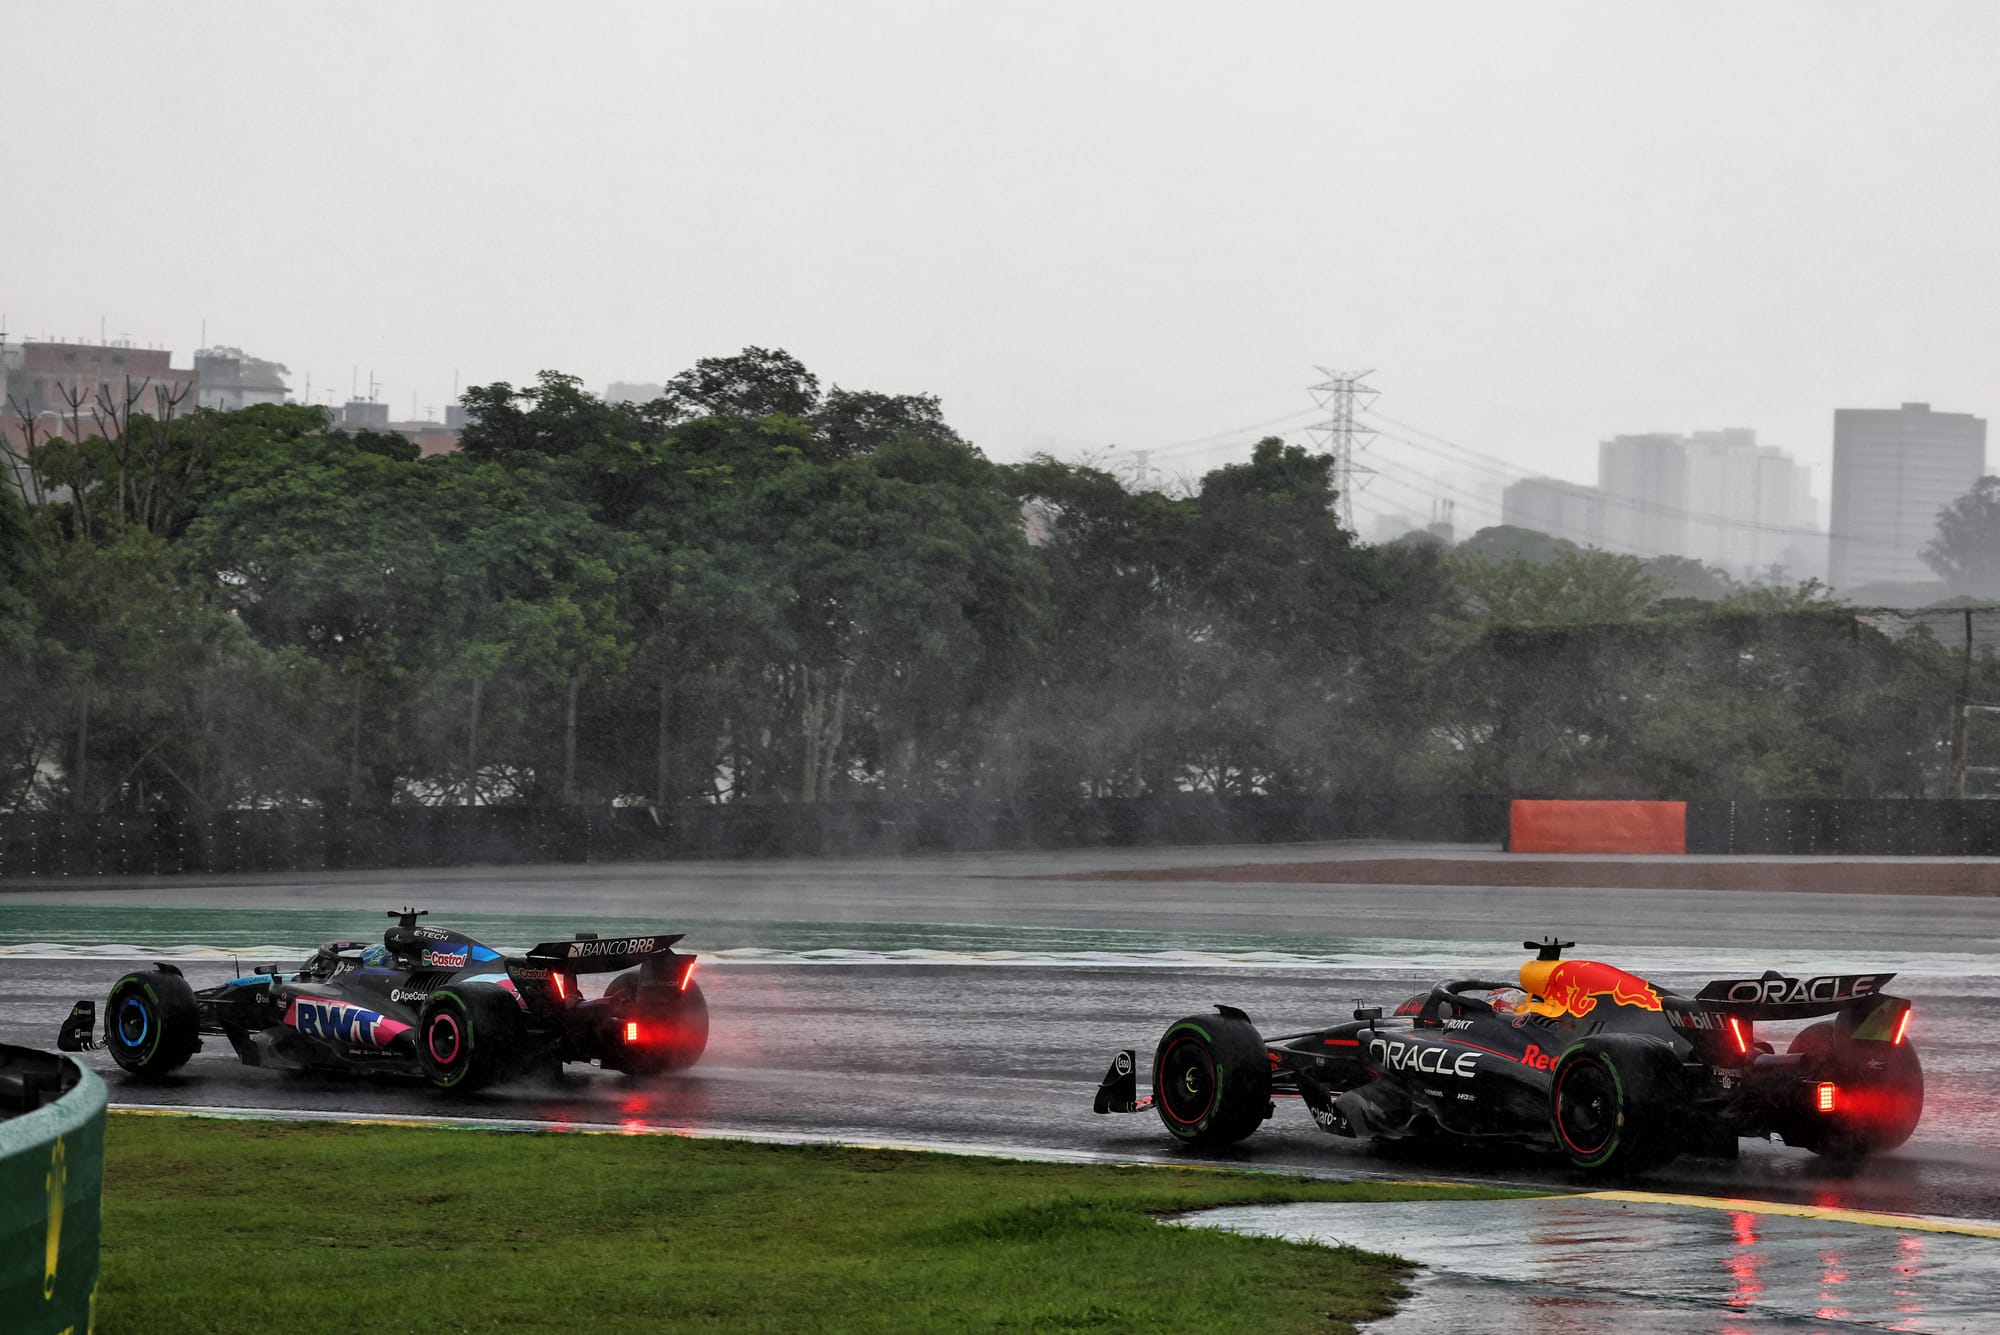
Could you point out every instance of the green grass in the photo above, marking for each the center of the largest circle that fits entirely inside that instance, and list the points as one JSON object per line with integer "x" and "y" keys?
{"x": 214, "y": 1225}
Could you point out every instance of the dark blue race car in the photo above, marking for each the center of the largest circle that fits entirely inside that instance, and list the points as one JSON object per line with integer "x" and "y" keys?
{"x": 427, "y": 1002}
{"x": 1580, "y": 1057}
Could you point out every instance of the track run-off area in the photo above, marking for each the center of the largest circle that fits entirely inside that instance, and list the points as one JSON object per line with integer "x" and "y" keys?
{"x": 971, "y": 1003}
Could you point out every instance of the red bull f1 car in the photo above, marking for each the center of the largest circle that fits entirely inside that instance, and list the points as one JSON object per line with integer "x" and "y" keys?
{"x": 1580, "y": 1057}
{"x": 427, "y": 1002}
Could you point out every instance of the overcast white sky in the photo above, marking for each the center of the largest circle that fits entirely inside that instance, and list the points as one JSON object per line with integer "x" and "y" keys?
{"x": 1081, "y": 225}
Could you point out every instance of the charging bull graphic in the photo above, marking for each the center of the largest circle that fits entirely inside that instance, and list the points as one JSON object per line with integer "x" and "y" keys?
{"x": 1572, "y": 987}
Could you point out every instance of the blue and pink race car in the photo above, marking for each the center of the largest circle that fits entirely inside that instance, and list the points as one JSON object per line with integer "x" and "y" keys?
{"x": 426, "y": 1002}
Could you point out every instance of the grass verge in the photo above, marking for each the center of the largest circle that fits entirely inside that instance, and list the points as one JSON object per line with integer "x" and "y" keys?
{"x": 226, "y": 1225}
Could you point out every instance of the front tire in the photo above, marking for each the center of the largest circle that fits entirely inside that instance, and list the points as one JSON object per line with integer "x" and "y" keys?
{"x": 1211, "y": 1080}
{"x": 1881, "y": 1084}
{"x": 152, "y": 1023}
{"x": 468, "y": 1036}
{"x": 1610, "y": 1104}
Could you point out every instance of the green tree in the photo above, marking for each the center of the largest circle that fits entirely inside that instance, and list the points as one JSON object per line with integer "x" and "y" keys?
{"x": 851, "y": 423}
{"x": 1510, "y": 542}
{"x": 756, "y": 382}
{"x": 1570, "y": 588}
{"x": 428, "y": 588}
{"x": 1966, "y": 551}
{"x": 148, "y": 697}
{"x": 914, "y": 599}
{"x": 1687, "y": 580}
{"x": 553, "y": 418}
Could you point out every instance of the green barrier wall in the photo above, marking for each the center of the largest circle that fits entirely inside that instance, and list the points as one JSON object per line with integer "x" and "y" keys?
{"x": 51, "y": 1177}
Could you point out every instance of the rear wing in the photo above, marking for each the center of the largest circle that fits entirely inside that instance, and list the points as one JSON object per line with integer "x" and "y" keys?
{"x": 593, "y": 954}
{"x": 1721, "y": 1020}
{"x": 1778, "y": 997}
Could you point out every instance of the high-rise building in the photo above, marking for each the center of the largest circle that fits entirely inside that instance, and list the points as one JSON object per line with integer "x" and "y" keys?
{"x": 1560, "y": 509}
{"x": 1748, "y": 504}
{"x": 1645, "y": 484}
{"x": 1717, "y": 497}
{"x": 1893, "y": 470}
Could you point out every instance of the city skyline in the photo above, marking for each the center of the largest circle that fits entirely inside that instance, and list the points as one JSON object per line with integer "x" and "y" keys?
{"x": 1130, "y": 228}
{"x": 1701, "y": 511}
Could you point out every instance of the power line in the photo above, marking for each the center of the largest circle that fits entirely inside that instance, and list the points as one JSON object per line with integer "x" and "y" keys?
{"x": 1197, "y": 444}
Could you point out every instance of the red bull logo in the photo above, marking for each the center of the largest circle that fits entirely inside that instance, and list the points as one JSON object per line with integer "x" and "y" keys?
{"x": 1572, "y": 987}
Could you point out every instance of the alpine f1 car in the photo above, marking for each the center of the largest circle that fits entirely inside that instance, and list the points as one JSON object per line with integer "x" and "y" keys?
{"x": 426, "y": 1002}
{"x": 1581, "y": 1057}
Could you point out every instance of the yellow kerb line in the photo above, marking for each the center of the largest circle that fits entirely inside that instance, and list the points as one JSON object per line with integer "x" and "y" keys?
{"x": 1871, "y": 1218}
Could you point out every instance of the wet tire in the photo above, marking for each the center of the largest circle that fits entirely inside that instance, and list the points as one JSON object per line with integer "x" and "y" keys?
{"x": 1611, "y": 1101}
{"x": 468, "y": 1036}
{"x": 152, "y": 1023}
{"x": 1880, "y": 1084}
{"x": 1211, "y": 1080}
{"x": 684, "y": 1015}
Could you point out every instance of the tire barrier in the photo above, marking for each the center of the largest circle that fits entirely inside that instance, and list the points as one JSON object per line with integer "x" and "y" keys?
{"x": 1597, "y": 827}
{"x": 51, "y": 1181}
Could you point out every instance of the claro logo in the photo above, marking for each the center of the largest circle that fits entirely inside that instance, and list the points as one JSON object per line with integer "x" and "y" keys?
{"x": 1391, "y": 1054}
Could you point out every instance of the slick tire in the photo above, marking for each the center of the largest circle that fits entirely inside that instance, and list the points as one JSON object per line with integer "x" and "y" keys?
{"x": 151, "y": 1022}
{"x": 1881, "y": 1086}
{"x": 468, "y": 1036}
{"x": 683, "y": 1015}
{"x": 1611, "y": 1104}
{"x": 1211, "y": 1080}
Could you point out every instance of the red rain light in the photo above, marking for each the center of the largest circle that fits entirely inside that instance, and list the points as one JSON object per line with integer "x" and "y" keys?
{"x": 1826, "y": 1096}
{"x": 632, "y": 1032}
{"x": 1902, "y": 1026}
{"x": 562, "y": 993}
{"x": 687, "y": 975}
{"x": 1742, "y": 1037}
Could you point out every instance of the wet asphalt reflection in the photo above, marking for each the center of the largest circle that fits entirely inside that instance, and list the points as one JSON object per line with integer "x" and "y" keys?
{"x": 1547, "y": 1267}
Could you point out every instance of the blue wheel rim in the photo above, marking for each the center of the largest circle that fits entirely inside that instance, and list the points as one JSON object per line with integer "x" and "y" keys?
{"x": 134, "y": 1007}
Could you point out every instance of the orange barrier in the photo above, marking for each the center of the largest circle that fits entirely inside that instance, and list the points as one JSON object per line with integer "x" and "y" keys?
{"x": 1597, "y": 827}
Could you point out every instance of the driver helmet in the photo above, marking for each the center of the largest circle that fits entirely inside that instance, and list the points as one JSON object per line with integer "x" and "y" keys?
{"x": 375, "y": 955}
{"x": 1506, "y": 999}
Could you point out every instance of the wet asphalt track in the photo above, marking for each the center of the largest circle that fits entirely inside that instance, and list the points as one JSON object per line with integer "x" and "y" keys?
{"x": 973, "y": 1053}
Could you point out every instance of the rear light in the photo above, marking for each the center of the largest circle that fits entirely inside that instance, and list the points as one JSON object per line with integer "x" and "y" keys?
{"x": 562, "y": 991}
{"x": 631, "y": 1031}
{"x": 1826, "y": 1096}
{"x": 687, "y": 974}
{"x": 1741, "y": 1032}
{"x": 1902, "y": 1026}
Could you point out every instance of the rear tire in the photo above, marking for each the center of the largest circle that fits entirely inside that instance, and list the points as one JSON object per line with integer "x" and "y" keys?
{"x": 152, "y": 1023}
{"x": 1610, "y": 1104}
{"x": 1211, "y": 1080}
{"x": 1882, "y": 1084}
{"x": 468, "y": 1036}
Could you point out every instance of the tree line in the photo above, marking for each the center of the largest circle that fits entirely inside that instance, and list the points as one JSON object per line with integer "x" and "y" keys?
{"x": 756, "y": 589}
